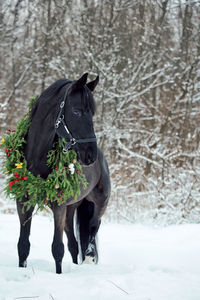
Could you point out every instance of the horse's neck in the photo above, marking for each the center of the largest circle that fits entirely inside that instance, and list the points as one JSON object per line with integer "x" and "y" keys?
{"x": 92, "y": 172}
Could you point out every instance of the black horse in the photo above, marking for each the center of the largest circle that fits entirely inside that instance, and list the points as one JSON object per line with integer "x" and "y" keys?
{"x": 65, "y": 110}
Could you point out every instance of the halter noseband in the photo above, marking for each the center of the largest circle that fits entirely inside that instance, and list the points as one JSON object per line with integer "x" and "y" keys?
{"x": 63, "y": 131}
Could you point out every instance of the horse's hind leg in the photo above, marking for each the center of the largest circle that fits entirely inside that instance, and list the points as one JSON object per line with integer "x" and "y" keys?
{"x": 88, "y": 225}
{"x": 89, "y": 215}
{"x": 59, "y": 213}
{"x": 25, "y": 217}
{"x": 69, "y": 230}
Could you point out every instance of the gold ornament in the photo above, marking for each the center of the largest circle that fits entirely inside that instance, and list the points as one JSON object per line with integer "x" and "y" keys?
{"x": 46, "y": 201}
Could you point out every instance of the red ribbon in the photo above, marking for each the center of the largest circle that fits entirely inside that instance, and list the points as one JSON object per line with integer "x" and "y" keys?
{"x": 18, "y": 178}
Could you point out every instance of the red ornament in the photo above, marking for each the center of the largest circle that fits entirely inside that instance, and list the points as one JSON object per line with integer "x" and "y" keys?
{"x": 78, "y": 172}
{"x": 7, "y": 151}
{"x": 10, "y": 130}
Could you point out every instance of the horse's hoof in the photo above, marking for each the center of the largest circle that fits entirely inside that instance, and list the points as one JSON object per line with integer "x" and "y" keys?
{"x": 89, "y": 260}
{"x": 23, "y": 264}
{"x": 58, "y": 268}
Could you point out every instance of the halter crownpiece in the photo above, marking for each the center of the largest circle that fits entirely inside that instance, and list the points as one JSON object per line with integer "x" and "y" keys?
{"x": 63, "y": 131}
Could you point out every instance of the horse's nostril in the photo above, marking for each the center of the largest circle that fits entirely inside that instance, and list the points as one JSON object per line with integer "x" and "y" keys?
{"x": 89, "y": 157}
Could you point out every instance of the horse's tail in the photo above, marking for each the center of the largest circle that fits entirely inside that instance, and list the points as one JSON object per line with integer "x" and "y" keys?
{"x": 86, "y": 228}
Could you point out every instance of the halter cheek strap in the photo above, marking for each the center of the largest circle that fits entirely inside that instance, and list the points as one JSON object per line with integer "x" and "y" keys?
{"x": 63, "y": 131}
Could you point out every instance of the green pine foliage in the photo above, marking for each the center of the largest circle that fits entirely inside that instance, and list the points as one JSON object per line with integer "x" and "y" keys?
{"x": 61, "y": 184}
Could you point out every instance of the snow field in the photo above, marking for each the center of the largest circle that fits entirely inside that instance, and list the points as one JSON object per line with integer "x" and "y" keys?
{"x": 136, "y": 262}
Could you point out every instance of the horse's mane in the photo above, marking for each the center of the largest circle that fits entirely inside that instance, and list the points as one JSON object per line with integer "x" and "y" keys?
{"x": 49, "y": 98}
{"x": 41, "y": 133}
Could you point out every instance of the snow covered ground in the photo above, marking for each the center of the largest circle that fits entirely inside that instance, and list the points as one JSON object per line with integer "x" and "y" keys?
{"x": 136, "y": 262}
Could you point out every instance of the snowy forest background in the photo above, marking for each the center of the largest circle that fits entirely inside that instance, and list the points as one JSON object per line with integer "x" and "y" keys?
{"x": 147, "y": 53}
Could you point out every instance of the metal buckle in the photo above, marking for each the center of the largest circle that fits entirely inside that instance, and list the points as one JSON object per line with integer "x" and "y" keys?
{"x": 59, "y": 121}
{"x": 65, "y": 151}
{"x": 62, "y": 104}
{"x": 68, "y": 146}
{"x": 73, "y": 141}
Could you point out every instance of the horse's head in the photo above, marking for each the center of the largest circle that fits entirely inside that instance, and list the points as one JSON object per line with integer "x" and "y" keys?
{"x": 77, "y": 124}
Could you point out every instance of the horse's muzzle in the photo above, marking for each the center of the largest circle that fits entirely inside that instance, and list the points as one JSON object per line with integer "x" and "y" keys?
{"x": 87, "y": 153}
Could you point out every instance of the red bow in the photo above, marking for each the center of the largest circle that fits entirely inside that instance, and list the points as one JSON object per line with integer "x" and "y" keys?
{"x": 18, "y": 178}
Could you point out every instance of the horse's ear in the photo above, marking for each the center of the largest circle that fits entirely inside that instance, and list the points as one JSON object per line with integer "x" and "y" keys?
{"x": 91, "y": 85}
{"x": 80, "y": 82}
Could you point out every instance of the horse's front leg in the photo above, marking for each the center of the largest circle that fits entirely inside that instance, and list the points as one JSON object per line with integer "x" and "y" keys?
{"x": 69, "y": 230}
{"x": 25, "y": 217}
{"x": 59, "y": 213}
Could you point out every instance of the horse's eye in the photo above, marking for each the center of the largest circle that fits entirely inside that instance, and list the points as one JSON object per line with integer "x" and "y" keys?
{"x": 77, "y": 113}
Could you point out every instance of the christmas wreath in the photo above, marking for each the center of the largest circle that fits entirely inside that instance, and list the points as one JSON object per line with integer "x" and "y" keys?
{"x": 64, "y": 181}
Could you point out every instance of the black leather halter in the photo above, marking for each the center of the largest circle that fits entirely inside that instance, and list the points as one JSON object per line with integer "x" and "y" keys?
{"x": 63, "y": 131}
